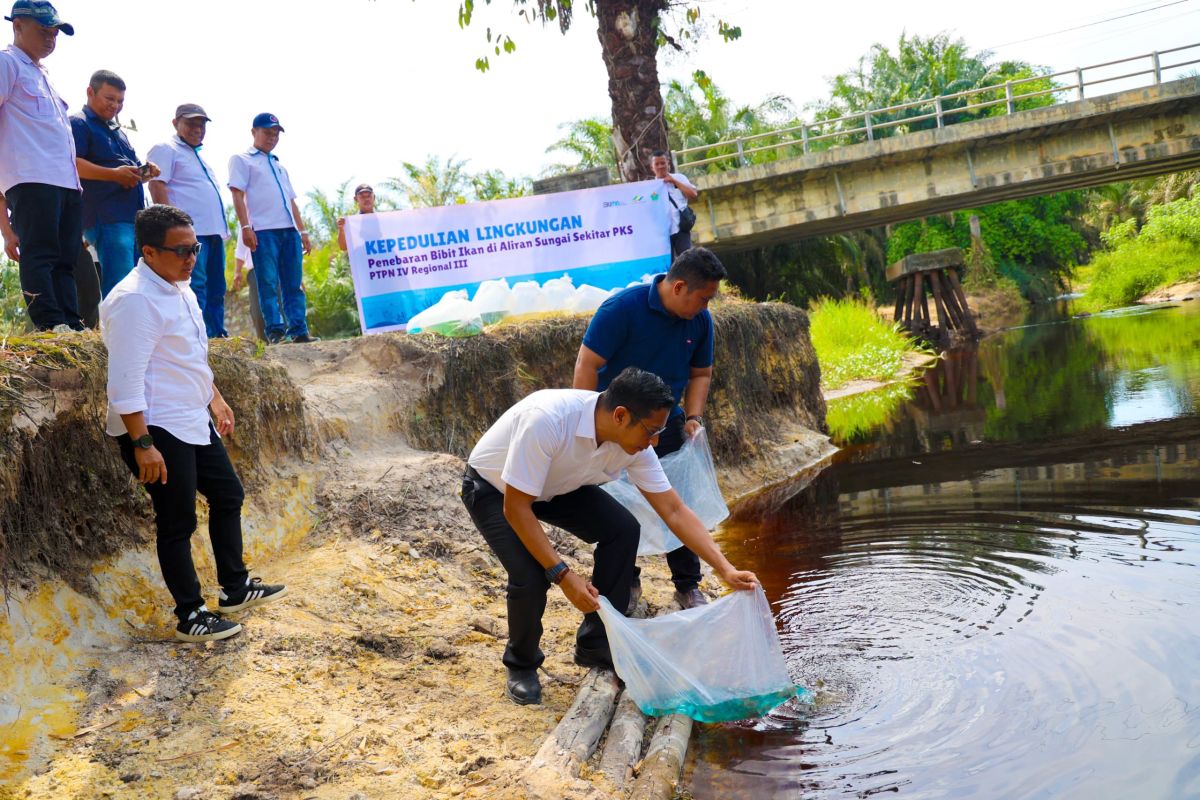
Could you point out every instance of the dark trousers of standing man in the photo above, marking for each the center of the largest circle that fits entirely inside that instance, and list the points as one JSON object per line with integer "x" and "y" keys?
{"x": 684, "y": 564}
{"x": 589, "y": 513}
{"x": 48, "y": 221}
{"x": 192, "y": 468}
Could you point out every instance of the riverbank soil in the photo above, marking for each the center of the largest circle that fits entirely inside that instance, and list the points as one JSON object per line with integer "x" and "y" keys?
{"x": 1189, "y": 290}
{"x": 379, "y": 675}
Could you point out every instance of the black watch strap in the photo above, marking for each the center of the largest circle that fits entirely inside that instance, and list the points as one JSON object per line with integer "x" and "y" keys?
{"x": 696, "y": 417}
{"x": 145, "y": 442}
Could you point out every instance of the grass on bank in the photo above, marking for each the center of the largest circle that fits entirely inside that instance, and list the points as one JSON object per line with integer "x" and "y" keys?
{"x": 854, "y": 343}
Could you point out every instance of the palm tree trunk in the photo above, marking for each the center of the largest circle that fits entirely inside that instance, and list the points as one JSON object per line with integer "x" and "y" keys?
{"x": 629, "y": 38}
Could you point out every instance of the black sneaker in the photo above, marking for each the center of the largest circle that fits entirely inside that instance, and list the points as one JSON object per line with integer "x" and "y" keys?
{"x": 254, "y": 593}
{"x": 304, "y": 338}
{"x": 204, "y": 626}
{"x": 594, "y": 658}
{"x": 274, "y": 338}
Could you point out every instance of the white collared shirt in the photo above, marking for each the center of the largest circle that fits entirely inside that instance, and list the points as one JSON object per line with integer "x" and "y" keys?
{"x": 268, "y": 189}
{"x": 36, "y": 143}
{"x": 545, "y": 446}
{"x": 191, "y": 186}
{"x": 680, "y": 200}
{"x": 157, "y": 356}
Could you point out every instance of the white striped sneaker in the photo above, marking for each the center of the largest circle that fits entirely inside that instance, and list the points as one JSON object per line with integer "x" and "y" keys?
{"x": 254, "y": 593}
{"x": 204, "y": 626}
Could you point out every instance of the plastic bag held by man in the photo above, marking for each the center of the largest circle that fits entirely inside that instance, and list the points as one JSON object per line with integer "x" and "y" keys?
{"x": 692, "y": 474}
{"x": 714, "y": 663}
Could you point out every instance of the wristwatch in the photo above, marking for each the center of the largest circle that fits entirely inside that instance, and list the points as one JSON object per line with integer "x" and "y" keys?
{"x": 556, "y": 573}
{"x": 696, "y": 417}
{"x": 145, "y": 442}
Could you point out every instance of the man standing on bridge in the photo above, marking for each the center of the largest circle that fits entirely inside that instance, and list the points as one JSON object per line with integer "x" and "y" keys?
{"x": 663, "y": 327}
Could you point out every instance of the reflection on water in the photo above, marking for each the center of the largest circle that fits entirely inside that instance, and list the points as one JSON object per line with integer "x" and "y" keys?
{"x": 995, "y": 593}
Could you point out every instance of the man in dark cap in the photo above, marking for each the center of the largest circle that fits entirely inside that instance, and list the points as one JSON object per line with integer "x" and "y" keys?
{"x": 38, "y": 178}
{"x": 364, "y": 198}
{"x": 187, "y": 182}
{"x": 273, "y": 230}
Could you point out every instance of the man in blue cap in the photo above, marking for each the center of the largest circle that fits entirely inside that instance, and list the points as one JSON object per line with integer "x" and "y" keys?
{"x": 38, "y": 178}
{"x": 273, "y": 230}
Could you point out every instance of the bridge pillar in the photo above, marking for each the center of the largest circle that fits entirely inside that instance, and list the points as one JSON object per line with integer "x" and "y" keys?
{"x": 921, "y": 275}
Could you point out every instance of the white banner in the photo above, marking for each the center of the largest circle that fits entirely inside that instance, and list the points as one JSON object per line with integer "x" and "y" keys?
{"x": 404, "y": 261}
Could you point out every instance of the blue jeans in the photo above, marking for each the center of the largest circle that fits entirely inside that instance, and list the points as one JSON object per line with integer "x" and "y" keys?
{"x": 278, "y": 264}
{"x": 118, "y": 254}
{"x": 48, "y": 221}
{"x": 208, "y": 283}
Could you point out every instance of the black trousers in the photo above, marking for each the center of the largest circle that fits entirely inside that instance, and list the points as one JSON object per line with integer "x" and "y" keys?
{"x": 679, "y": 242}
{"x": 192, "y": 468}
{"x": 48, "y": 221}
{"x": 684, "y": 564}
{"x": 589, "y": 513}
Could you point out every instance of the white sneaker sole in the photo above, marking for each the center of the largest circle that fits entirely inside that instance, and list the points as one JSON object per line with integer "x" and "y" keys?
{"x": 258, "y": 601}
{"x": 208, "y": 637}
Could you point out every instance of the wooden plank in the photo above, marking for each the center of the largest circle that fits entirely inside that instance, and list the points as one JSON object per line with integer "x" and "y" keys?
{"x": 923, "y": 262}
{"x": 962, "y": 298}
{"x": 899, "y": 301}
{"x": 623, "y": 746}
{"x": 921, "y": 308}
{"x": 951, "y": 300}
{"x": 944, "y": 318}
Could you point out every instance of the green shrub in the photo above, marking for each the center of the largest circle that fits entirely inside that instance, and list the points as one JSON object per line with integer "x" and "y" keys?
{"x": 1122, "y": 276}
{"x": 853, "y": 342}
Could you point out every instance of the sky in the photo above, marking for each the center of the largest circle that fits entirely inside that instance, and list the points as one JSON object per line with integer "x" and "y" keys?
{"x": 380, "y": 82}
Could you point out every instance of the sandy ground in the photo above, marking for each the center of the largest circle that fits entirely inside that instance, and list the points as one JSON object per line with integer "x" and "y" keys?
{"x": 1189, "y": 290}
{"x": 379, "y": 676}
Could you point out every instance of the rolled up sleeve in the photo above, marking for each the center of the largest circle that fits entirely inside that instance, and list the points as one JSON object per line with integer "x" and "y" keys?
{"x": 131, "y": 332}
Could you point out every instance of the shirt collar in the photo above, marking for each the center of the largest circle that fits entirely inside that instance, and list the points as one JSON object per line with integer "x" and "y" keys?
{"x": 149, "y": 274}
{"x": 111, "y": 124}
{"x": 654, "y": 300}
{"x": 254, "y": 151}
{"x": 20, "y": 54}
{"x": 587, "y": 419}
{"x": 179, "y": 140}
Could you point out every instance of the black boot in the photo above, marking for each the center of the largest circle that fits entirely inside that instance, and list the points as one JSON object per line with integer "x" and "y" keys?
{"x": 523, "y": 687}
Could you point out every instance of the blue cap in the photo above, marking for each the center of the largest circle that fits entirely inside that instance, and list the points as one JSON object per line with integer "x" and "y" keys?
{"x": 41, "y": 12}
{"x": 265, "y": 120}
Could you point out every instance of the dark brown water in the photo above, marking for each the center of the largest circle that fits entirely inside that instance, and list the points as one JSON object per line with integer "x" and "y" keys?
{"x": 995, "y": 591}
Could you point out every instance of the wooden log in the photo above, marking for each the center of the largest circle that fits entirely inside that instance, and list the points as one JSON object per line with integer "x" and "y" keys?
{"x": 908, "y": 301}
{"x": 962, "y": 298}
{"x": 944, "y": 318}
{"x": 574, "y": 739}
{"x": 952, "y": 305}
{"x": 624, "y": 743}
{"x": 921, "y": 307}
{"x": 899, "y": 301}
{"x": 658, "y": 775}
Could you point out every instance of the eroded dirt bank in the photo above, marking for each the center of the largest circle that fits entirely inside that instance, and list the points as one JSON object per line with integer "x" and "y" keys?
{"x": 379, "y": 676}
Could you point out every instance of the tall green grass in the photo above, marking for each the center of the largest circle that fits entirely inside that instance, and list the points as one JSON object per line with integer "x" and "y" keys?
{"x": 855, "y": 343}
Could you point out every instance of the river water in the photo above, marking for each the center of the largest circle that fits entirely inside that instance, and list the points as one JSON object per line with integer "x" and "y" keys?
{"x": 994, "y": 590}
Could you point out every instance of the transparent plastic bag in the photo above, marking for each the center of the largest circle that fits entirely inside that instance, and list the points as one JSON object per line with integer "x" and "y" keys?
{"x": 491, "y": 300}
{"x": 453, "y": 315}
{"x": 559, "y": 292}
{"x": 714, "y": 663}
{"x": 527, "y": 297}
{"x": 587, "y": 299}
{"x": 692, "y": 474}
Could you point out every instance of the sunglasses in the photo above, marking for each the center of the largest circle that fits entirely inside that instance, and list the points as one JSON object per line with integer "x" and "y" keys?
{"x": 183, "y": 251}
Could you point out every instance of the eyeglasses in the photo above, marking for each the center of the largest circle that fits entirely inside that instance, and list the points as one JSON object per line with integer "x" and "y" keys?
{"x": 183, "y": 251}
{"x": 649, "y": 433}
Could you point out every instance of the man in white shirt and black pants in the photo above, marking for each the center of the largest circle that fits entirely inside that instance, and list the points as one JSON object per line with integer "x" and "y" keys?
{"x": 160, "y": 392}
{"x": 680, "y": 192}
{"x": 542, "y": 461}
{"x": 187, "y": 182}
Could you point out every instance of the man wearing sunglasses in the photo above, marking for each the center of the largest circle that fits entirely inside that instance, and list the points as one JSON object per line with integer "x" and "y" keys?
{"x": 161, "y": 394}
{"x": 542, "y": 462}
{"x": 663, "y": 327}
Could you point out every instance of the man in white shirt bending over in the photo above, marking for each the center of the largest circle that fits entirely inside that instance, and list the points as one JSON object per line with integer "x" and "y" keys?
{"x": 187, "y": 182}
{"x": 160, "y": 393}
{"x": 680, "y": 192}
{"x": 543, "y": 461}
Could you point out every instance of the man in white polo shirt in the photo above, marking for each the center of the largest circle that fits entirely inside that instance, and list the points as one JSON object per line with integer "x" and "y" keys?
{"x": 39, "y": 182}
{"x": 160, "y": 395}
{"x": 274, "y": 231}
{"x": 187, "y": 182}
{"x": 543, "y": 461}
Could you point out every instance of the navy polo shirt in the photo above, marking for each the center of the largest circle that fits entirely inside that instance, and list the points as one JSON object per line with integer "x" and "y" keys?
{"x": 633, "y": 329}
{"x": 105, "y": 145}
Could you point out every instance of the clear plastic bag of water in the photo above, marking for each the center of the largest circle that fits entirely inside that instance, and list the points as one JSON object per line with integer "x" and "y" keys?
{"x": 692, "y": 474}
{"x": 453, "y": 315}
{"x": 714, "y": 663}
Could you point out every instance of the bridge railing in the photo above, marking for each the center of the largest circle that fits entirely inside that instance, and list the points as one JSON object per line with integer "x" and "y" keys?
{"x": 804, "y": 137}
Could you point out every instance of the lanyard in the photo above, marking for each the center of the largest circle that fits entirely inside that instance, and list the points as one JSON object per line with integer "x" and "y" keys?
{"x": 275, "y": 175}
{"x": 203, "y": 169}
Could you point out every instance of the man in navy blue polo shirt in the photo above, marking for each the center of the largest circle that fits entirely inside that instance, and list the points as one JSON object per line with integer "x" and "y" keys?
{"x": 662, "y": 327}
{"x": 111, "y": 178}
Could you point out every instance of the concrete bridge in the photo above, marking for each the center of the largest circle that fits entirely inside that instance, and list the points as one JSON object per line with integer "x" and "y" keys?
{"x": 1130, "y": 134}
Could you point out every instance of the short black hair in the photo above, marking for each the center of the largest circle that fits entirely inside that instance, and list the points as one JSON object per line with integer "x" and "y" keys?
{"x": 151, "y": 224}
{"x": 662, "y": 153}
{"x": 697, "y": 267}
{"x": 106, "y": 76}
{"x": 641, "y": 392}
